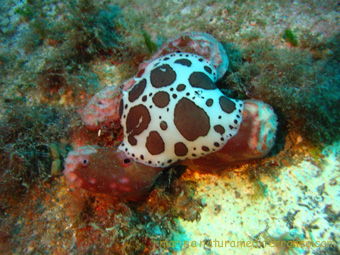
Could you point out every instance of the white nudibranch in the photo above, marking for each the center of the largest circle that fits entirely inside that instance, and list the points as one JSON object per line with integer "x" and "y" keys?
{"x": 175, "y": 112}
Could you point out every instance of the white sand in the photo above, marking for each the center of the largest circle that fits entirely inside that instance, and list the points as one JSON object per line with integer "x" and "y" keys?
{"x": 297, "y": 190}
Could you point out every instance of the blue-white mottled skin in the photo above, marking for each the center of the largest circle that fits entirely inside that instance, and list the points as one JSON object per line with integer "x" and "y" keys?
{"x": 175, "y": 112}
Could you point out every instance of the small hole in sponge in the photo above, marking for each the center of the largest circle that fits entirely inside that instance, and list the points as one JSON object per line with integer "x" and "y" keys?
{"x": 127, "y": 161}
{"x": 85, "y": 162}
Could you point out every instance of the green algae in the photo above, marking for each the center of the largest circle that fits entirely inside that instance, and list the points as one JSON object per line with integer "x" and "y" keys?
{"x": 290, "y": 36}
{"x": 151, "y": 46}
{"x": 58, "y": 45}
{"x": 303, "y": 91}
{"x": 25, "y": 137}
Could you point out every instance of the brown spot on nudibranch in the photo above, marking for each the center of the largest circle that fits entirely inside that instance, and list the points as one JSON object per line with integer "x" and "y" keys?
{"x": 181, "y": 149}
{"x": 154, "y": 143}
{"x": 161, "y": 99}
{"x": 208, "y": 69}
{"x": 137, "y": 90}
{"x": 201, "y": 80}
{"x": 162, "y": 76}
{"x": 180, "y": 87}
{"x": 184, "y": 62}
{"x": 191, "y": 120}
{"x": 219, "y": 129}
{"x": 209, "y": 102}
{"x": 205, "y": 148}
{"x": 137, "y": 121}
{"x": 163, "y": 125}
{"x": 227, "y": 105}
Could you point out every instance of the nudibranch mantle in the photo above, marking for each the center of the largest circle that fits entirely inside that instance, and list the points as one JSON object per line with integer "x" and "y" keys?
{"x": 175, "y": 112}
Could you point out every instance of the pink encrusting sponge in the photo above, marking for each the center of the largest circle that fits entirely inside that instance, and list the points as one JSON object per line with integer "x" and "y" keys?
{"x": 102, "y": 109}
